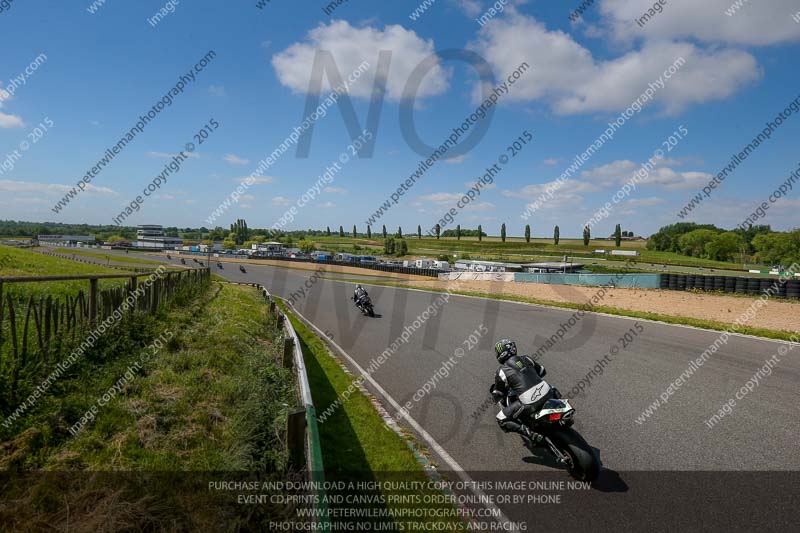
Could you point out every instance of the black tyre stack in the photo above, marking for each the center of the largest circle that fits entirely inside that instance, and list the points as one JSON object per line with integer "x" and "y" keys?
{"x": 719, "y": 283}
{"x": 664, "y": 281}
{"x": 690, "y": 281}
{"x": 730, "y": 284}
{"x": 753, "y": 286}
{"x": 781, "y": 289}
{"x": 681, "y": 281}
{"x": 709, "y": 283}
{"x": 765, "y": 286}
{"x": 793, "y": 289}
{"x": 740, "y": 286}
{"x": 673, "y": 281}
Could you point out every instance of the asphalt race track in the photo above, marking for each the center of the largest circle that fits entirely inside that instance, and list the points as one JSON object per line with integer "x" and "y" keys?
{"x": 672, "y": 452}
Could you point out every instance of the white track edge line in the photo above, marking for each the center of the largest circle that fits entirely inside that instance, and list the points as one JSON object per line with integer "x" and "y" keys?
{"x": 458, "y": 469}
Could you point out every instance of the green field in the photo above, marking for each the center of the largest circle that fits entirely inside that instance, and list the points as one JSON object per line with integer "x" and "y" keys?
{"x": 24, "y": 262}
{"x": 99, "y": 254}
{"x": 517, "y": 250}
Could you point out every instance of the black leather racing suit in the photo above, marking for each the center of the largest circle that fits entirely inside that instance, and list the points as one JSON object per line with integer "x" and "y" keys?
{"x": 520, "y": 379}
{"x": 359, "y": 295}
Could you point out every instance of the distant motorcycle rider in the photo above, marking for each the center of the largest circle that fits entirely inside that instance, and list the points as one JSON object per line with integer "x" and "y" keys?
{"x": 519, "y": 379}
{"x": 359, "y": 295}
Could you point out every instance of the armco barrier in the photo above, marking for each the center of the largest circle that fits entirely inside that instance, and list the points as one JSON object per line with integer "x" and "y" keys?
{"x": 639, "y": 281}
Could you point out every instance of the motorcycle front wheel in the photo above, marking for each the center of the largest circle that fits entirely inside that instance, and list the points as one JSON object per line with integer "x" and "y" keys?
{"x": 583, "y": 464}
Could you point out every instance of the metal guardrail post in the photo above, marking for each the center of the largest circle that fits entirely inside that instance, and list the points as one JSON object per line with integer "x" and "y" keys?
{"x": 288, "y": 352}
{"x": 295, "y": 433}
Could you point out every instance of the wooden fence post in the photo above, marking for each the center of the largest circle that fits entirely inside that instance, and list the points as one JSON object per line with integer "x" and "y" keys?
{"x": 92, "y": 300}
{"x": 288, "y": 352}
{"x": 295, "y": 437}
{"x": 272, "y": 307}
{"x": 280, "y": 321}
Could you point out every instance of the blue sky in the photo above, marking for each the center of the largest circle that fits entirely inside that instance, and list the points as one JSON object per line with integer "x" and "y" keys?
{"x": 105, "y": 69}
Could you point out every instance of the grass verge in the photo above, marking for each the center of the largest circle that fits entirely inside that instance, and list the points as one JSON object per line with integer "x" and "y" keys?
{"x": 208, "y": 403}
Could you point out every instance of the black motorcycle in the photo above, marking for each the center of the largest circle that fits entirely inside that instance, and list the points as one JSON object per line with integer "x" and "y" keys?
{"x": 183, "y": 261}
{"x": 241, "y": 267}
{"x": 219, "y": 265}
{"x": 553, "y": 420}
{"x": 364, "y": 304}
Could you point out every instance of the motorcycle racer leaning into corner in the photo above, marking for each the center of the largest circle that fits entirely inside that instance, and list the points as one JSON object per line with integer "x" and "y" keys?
{"x": 359, "y": 294}
{"x": 519, "y": 379}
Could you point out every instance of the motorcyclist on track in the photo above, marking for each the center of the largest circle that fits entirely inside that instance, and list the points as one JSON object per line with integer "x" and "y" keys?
{"x": 520, "y": 379}
{"x": 359, "y": 295}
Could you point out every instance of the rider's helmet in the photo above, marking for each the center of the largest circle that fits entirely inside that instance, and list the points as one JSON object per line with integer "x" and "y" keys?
{"x": 504, "y": 349}
{"x": 359, "y": 288}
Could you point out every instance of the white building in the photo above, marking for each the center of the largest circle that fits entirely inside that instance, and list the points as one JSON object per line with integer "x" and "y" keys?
{"x": 65, "y": 240}
{"x": 152, "y": 236}
{"x": 486, "y": 266}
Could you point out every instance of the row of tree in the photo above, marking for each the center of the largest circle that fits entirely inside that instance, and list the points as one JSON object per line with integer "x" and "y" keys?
{"x": 458, "y": 233}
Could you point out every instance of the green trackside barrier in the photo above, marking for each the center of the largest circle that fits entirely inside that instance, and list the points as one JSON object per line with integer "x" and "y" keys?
{"x": 638, "y": 281}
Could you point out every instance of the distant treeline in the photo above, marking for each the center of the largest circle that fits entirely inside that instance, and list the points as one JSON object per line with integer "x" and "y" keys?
{"x": 710, "y": 242}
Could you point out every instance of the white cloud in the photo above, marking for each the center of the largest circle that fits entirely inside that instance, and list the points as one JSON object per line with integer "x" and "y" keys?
{"x": 260, "y": 180}
{"x": 472, "y": 8}
{"x": 457, "y": 160}
{"x": 672, "y": 180}
{"x": 534, "y": 190}
{"x": 246, "y": 201}
{"x": 471, "y": 184}
{"x": 550, "y": 162}
{"x": 10, "y": 121}
{"x": 350, "y": 46}
{"x": 480, "y": 206}
{"x": 234, "y": 159}
{"x": 216, "y": 90}
{"x": 280, "y": 200}
{"x": 611, "y": 173}
{"x": 566, "y": 75}
{"x": 663, "y": 176}
{"x": 439, "y": 198}
{"x": 50, "y": 188}
{"x": 645, "y": 202}
{"x": 756, "y": 23}
{"x": 328, "y": 205}
{"x": 335, "y": 190}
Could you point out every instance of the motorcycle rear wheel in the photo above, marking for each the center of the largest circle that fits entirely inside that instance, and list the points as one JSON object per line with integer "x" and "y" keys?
{"x": 584, "y": 465}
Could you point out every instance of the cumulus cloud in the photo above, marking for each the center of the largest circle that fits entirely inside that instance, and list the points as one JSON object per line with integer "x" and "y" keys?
{"x": 216, "y": 90}
{"x": 645, "y": 202}
{"x": 756, "y": 23}
{"x": 663, "y": 176}
{"x": 50, "y": 188}
{"x": 534, "y": 190}
{"x": 259, "y": 180}
{"x": 280, "y": 200}
{"x": 234, "y": 159}
{"x": 566, "y": 75}
{"x": 350, "y": 47}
